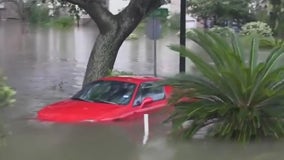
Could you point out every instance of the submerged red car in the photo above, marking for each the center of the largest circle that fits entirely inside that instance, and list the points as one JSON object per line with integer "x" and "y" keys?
{"x": 108, "y": 99}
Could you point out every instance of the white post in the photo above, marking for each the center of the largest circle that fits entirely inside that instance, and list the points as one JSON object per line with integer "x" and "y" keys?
{"x": 146, "y": 128}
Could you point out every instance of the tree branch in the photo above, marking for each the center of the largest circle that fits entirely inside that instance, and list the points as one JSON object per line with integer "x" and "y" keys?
{"x": 98, "y": 12}
{"x": 156, "y": 4}
{"x": 80, "y": 3}
{"x": 136, "y": 11}
{"x": 104, "y": 19}
{"x": 144, "y": 7}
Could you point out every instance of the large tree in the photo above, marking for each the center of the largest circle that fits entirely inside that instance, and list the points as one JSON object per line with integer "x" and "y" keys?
{"x": 114, "y": 29}
{"x": 221, "y": 10}
{"x": 271, "y": 11}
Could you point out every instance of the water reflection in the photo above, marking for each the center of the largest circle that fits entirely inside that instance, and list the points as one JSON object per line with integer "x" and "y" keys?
{"x": 45, "y": 65}
{"x": 68, "y": 142}
{"x": 139, "y": 55}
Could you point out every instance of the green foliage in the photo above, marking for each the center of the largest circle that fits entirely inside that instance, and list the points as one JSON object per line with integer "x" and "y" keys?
{"x": 264, "y": 42}
{"x": 221, "y": 10}
{"x": 132, "y": 36}
{"x": 237, "y": 98}
{"x": 262, "y": 15}
{"x": 62, "y": 22}
{"x": 222, "y": 31}
{"x": 6, "y": 93}
{"x": 174, "y": 21}
{"x": 119, "y": 73}
{"x": 256, "y": 28}
{"x": 271, "y": 42}
{"x": 37, "y": 14}
{"x": 276, "y": 17}
{"x": 6, "y": 99}
{"x": 263, "y": 31}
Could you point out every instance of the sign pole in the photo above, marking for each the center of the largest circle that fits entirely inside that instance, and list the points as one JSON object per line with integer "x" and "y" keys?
{"x": 153, "y": 31}
{"x": 155, "y": 58}
{"x": 155, "y": 51}
{"x": 182, "y": 34}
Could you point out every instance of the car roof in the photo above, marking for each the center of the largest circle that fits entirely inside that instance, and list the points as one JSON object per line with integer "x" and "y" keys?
{"x": 132, "y": 78}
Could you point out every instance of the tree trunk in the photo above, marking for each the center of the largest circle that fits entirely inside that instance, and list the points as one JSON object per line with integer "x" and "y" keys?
{"x": 103, "y": 56}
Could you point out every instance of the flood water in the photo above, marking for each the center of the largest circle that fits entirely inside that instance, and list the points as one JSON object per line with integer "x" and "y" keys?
{"x": 45, "y": 65}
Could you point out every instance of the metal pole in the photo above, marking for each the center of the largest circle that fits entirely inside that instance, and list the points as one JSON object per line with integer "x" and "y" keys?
{"x": 182, "y": 34}
{"x": 155, "y": 46}
{"x": 155, "y": 57}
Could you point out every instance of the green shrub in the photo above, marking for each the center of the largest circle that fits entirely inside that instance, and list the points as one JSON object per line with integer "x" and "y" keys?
{"x": 271, "y": 42}
{"x": 118, "y": 73}
{"x": 264, "y": 42}
{"x": 40, "y": 15}
{"x": 6, "y": 99}
{"x": 37, "y": 14}
{"x": 222, "y": 31}
{"x": 6, "y": 93}
{"x": 174, "y": 22}
{"x": 141, "y": 26}
{"x": 132, "y": 36}
{"x": 256, "y": 28}
{"x": 237, "y": 98}
{"x": 62, "y": 22}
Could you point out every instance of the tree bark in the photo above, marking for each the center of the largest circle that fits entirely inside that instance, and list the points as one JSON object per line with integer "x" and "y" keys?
{"x": 102, "y": 57}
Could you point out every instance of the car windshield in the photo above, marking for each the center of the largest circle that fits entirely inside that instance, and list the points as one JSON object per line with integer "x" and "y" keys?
{"x": 112, "y": 92}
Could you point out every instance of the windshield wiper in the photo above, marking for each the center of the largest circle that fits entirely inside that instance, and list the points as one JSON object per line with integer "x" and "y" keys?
{"x": 80, "y": 99}
{"x": 103, "y": 101}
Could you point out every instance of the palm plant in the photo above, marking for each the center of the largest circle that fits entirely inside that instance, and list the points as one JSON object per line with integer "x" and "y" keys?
{"x": 240, "y": 98}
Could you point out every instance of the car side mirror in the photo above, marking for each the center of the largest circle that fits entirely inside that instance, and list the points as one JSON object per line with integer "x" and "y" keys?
{"x": 146, "y": 101}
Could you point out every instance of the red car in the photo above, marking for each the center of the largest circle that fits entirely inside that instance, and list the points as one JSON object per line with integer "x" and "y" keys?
{"x": 108, "y": 99}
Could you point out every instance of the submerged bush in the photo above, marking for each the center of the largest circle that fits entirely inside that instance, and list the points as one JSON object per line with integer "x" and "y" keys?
{"x": 174, "y": 22}
{"x": 118, "y": 73}
{"x": 132, "y": 36}
{"x": 40, "y": 14}
{"x": 62, "y": 22}
{"x": 6, "y": 93}
{"x": 237, "y": 98}
{"x": 6, "y": 98}
{"x": 37, "y": 14}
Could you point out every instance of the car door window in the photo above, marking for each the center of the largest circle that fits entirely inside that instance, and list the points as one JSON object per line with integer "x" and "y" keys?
{"x": 152, "y": 90}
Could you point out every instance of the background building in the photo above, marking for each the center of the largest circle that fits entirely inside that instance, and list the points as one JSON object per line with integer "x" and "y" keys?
{"x": 8, "y": 10}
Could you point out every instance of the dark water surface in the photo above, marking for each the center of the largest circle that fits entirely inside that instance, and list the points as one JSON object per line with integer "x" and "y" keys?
{"x": 45, "y": 65}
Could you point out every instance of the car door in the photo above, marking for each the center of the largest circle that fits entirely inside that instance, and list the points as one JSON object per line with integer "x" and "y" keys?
{"x": 152, "y": 91}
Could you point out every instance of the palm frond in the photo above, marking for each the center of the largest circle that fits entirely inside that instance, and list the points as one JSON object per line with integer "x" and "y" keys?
{"x": 237, "y": 48}
{"x": 264, "y": 72}
{"x": 207, "y": 69}
{"x": 242, "y": 99}
{"x": 253, "y": 54}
